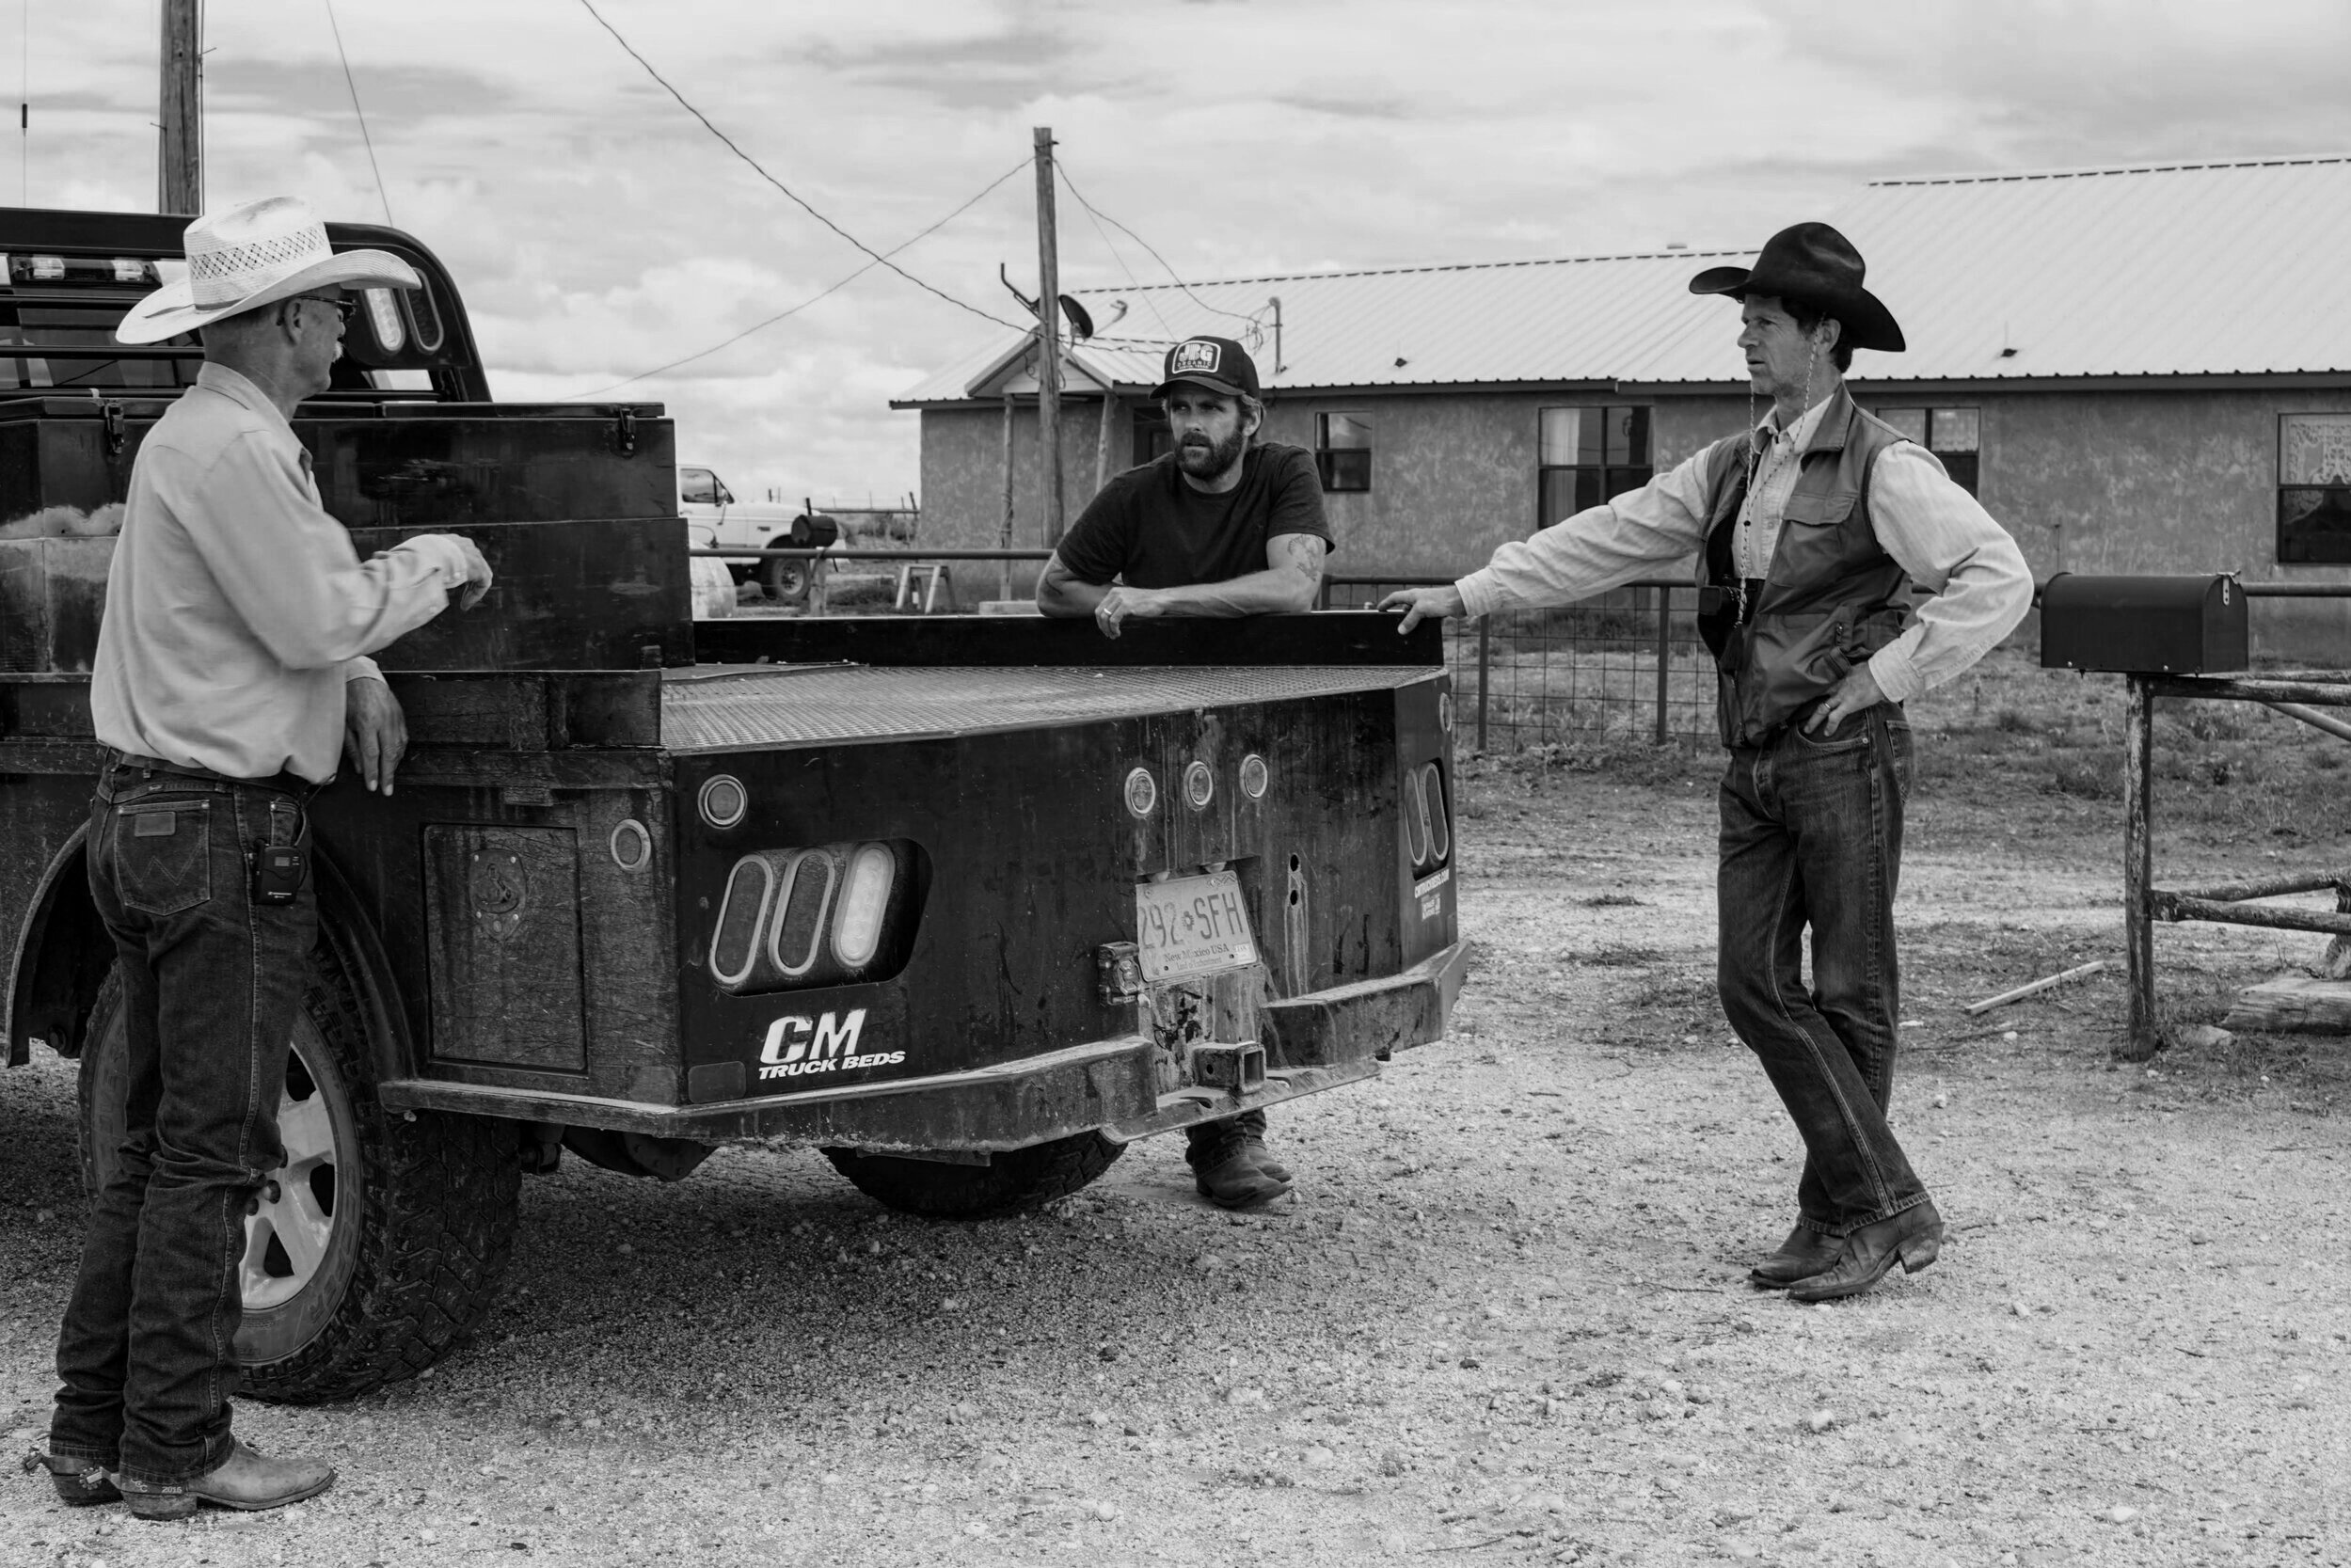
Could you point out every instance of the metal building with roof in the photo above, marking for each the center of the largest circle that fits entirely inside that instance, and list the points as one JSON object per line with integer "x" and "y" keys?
{"x": 2138, "y": 368}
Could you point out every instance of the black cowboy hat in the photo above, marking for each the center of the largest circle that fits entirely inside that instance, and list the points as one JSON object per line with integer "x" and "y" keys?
{"x": 1811, "y": 263}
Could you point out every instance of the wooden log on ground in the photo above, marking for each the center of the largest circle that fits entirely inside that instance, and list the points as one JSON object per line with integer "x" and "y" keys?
{"x": 2034, "y": 988}
{"x": 2294, "y": 1004}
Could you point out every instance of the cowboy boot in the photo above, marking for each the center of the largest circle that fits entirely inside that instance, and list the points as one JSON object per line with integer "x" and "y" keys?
{"x": 245, "y": 1480}
{"x": 1914, "y": 1238}
{"x": 1805, "y": 1253}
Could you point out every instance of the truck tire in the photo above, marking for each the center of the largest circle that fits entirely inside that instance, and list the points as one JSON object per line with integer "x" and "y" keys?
{"x": 786, "y": 579}
{"x": 409, "y": 1224}
{"x": 1013, "y": 1179}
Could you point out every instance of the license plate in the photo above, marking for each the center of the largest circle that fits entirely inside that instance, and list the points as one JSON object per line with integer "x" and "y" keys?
{"x": 1188, "y": 926}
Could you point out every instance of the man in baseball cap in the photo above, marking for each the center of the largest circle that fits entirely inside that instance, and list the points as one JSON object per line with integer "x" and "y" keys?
{"x": 232, "y": 670}
{"x": 1221, "y": 526}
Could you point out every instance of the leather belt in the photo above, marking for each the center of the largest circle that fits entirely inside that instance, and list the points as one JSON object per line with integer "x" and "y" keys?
{"x": 283, "y": 783}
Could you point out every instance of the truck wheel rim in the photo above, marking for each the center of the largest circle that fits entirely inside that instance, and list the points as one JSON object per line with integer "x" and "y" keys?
{"x": 286, "y": 1238}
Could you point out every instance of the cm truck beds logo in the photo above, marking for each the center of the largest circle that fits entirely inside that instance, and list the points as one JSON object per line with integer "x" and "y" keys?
{"x": 803, "y": 1047}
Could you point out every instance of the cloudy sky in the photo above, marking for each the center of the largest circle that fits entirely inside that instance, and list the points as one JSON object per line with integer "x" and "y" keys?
{"x": 598, "y": 230}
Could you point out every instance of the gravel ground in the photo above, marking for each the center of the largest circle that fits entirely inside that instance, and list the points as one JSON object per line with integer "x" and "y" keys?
{"x": 1504, "y": 1317}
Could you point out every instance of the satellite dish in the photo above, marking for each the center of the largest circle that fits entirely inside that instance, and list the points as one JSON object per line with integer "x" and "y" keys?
{"x": 1080, "y": 323}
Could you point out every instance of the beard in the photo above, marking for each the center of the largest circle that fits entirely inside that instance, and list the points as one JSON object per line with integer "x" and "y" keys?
{"x": 1204, "y": 459}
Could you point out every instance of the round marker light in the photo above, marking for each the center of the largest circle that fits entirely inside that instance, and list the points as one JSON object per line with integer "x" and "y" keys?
{"x": 1142, "y": 792}
{"x": 865, "y": 898}
{"x": 1445, "y": 711}
{"x": 723, "y": 801}
{"x": 1254, "y": 776}
{"x": 1199, "y": 786}
{"x": 632, "y": 846}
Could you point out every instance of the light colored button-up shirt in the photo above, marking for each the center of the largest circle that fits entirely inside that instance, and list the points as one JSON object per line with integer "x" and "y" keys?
{"x": 1934, "y": 531}
{"x": 236, "y": 607}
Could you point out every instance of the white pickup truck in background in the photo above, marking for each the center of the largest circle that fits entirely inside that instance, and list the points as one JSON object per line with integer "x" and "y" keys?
{"x": 715, "y": 520}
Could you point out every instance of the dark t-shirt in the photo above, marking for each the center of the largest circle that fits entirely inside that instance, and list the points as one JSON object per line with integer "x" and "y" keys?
{"x": 1152, "y": 527}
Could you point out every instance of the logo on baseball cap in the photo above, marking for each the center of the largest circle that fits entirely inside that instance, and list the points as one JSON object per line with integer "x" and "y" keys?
{"x": 1218, "y": 364}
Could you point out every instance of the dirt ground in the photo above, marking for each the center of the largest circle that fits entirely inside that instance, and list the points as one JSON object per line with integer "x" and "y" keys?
{"x": 1504, "y": 1317}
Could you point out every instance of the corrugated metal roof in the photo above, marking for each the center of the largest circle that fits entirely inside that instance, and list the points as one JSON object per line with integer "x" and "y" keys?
{"x": 2180, "y": 269}
{"x": 1576, "y": 320}
{"x": 2168, "y": 270}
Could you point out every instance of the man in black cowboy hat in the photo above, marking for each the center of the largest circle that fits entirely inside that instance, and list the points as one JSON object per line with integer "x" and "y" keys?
{"x": 1809, "y": 530}
{"x": 1221, "y": 526}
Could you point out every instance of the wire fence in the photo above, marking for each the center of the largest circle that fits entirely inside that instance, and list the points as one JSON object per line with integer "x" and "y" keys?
{"x": 1628, "y": 662}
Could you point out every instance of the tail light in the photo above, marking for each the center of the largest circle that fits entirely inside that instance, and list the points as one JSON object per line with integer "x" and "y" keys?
{"x": 1414, "y": 818}
{"x": 1441, "y": 826}
{"x": 831, "y": 915}
{"x": 1428, "y": 823}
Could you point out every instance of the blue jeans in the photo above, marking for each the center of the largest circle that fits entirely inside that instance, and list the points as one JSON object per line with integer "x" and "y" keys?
{"x": 210, "y": 983}
{"x": 1812, "y": 837}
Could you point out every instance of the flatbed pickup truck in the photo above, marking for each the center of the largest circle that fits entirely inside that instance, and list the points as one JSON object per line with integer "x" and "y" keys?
{"x": 969, "y": 904}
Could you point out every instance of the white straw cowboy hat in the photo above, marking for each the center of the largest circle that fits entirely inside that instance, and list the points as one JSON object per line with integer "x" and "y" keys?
{"x": 252, "y": 256}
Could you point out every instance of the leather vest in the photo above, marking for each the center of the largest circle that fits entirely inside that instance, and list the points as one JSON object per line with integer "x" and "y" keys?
{"x": 1831, "y": 598}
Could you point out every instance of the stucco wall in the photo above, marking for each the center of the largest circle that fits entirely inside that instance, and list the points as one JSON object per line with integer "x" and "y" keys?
{"x": 2098, "y": 482}
{"x": 2085, "y": 482}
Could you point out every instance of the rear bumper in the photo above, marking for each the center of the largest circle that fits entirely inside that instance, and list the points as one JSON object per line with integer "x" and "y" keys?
{"x": 1312, "y": 1042}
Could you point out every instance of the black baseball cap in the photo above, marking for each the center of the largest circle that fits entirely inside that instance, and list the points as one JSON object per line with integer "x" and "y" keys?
{"x": 1218, "y": 364}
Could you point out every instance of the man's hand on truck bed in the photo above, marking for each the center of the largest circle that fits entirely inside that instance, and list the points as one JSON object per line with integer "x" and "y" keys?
{"x": 375, "y": 731}
{"x": 1423, "y": 604}
{"x": 477, "y": 577}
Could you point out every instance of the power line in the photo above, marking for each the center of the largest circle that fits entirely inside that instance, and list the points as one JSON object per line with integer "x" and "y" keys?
{"x": 835, "y": 288}
{"x": 794, "y": 196}
{"x": 382, "y": 193}
{"x": 1120, "y": 257}
{"x": 1146, "y": 244}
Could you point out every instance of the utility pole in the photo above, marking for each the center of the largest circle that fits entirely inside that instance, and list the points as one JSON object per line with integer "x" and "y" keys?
{"x": 179, "y": 164}
{"x": 1048, "y": 340}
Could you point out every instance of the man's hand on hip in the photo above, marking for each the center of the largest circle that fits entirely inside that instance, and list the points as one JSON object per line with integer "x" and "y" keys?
{"x": 1143, "y": 603}
{"x": 1856, "y": 693}
{"x": 375, "y": 731}
{"x": 1424, "y": 604}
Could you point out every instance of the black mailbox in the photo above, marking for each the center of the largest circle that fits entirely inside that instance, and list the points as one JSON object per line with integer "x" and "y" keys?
{"x": 2180, "y": 626}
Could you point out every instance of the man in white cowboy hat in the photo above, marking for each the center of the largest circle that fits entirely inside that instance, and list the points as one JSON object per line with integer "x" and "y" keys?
{"x": 1808, "y": 529}
{"x": 231, "y": 668}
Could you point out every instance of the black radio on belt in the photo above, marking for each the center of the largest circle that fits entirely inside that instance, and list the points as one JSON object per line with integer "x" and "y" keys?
{"x": 277, "y": 870}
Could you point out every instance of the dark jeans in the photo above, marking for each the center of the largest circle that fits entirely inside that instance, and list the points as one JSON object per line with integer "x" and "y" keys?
{"x": 1812, "y": 835}
{"x": 209, "y": 984}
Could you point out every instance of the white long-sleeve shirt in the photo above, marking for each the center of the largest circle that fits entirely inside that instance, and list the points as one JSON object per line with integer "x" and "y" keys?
{"x": 236, "y": 607}
{"x": 1934, "y": 531}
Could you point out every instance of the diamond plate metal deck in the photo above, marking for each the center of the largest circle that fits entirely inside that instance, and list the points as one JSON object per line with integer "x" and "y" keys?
{"x": 746, "y": 709}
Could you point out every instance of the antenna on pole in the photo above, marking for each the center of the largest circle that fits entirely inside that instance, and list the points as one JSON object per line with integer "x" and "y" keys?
{"x": 180, "y": 171}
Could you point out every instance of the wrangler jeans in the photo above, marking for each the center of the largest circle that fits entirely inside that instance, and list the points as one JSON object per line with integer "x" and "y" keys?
{"x": 1811, "y": 838}
{"x": 210, "y": 979}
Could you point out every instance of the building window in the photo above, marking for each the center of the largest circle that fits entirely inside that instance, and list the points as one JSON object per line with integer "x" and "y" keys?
{"x": 1587, "y": 455}
{"x": 1153, "y": 440}
{"x": 2313, "y": 489}
{"x": 1953, "y": 435}
{"x": 1342, "y": 450}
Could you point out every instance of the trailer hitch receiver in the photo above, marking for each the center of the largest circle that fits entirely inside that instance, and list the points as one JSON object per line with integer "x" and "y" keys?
{"x": 1235, "y": 1068}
